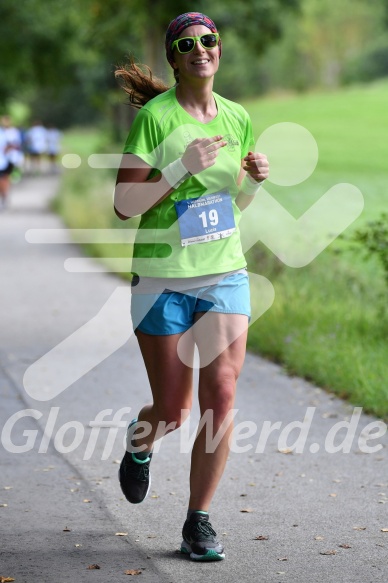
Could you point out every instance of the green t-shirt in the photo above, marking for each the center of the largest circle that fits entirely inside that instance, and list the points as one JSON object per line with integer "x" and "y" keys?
{"x": 159, "y": 135}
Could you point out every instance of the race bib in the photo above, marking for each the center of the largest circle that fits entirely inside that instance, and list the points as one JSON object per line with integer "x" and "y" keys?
{"x": 206, "y": 218}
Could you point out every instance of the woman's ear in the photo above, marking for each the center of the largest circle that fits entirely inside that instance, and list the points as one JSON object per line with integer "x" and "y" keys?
{"x": 176, "y": 70}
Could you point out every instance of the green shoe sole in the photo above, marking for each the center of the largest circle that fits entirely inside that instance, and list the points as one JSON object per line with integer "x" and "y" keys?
{"x": 209, "y": 556}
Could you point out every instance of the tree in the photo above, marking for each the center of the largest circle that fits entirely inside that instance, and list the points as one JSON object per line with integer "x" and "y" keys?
{"x": 49, "y": 45}
{"x": 37, "y": 44}
{"x": 321, "y": 41}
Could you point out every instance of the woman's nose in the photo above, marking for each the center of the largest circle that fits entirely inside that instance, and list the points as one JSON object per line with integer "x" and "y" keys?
{"x": 198, "y": 48}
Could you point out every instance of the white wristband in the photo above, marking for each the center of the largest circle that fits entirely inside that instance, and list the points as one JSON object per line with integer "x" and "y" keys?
{"x": 176, "y": 173}
{"x": 249, "y": 186}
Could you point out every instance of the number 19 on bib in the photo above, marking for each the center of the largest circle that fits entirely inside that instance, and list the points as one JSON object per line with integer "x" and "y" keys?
{"x": 206, "y": 218}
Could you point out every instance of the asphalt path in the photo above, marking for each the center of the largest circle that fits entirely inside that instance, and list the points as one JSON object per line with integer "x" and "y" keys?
{"x": 289, "y": 508}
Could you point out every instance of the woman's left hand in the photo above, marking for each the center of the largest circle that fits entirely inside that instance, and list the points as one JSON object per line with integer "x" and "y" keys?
{"x": 257, "y": 166}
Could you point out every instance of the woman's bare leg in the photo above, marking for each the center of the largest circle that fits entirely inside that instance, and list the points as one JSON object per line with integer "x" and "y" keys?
{"x": 217, "y": 388}
{"x": 171, "y": 384}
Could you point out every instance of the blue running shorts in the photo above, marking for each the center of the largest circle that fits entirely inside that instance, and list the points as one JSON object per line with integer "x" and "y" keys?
{"x": 161, "y": 314}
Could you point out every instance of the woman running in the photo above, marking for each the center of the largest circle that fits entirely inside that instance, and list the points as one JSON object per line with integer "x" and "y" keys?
{"x": 189, "y": 170}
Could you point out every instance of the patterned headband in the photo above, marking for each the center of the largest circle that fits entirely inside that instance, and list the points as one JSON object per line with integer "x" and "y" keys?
{"x": 183, "y": 21}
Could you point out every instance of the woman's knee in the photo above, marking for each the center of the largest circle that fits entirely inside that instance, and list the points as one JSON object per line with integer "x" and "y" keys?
{"x": 218, "y": 392}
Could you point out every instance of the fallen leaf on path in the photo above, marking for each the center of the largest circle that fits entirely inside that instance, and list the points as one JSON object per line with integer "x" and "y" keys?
{"x": 319, "y": 538}
{"x": 155, "y": 496}
{"x": 6, "y": 579}
{"x": 246, "y": 510}
{"x": 121, "y": 534}
{"x": 3, "y": 505}
{"x": 261, "y": 537}
{"x": 8, "y": 487}
{"x": 283, "y": 559}
{"x": 330, "y": 552}
{"x": 67, "y": 529}
{"x": 94, "y": 567}
{"x": 345, "y": 546}
{"x": 359, "y": 527}
{"x": 133, "y": 572}
{"x": 333, "y": 495}
{"x": 86, "y": 500}
{"x": 78, "y": 545}
{"x": 285, "y": 450}
{"x": 151, "y": 536}
{"x": 384, "y": 530}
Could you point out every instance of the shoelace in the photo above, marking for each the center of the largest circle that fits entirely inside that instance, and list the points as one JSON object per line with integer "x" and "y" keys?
{"x": 139, "y": 471}
{"x": 144, "y": 472}
{"x": 204, "y": 528}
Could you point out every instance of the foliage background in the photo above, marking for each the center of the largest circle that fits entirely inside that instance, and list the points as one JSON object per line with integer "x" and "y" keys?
{"x": 58, "y": 56}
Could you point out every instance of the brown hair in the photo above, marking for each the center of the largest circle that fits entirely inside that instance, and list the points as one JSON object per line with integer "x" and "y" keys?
{"x": 139, "y": 83}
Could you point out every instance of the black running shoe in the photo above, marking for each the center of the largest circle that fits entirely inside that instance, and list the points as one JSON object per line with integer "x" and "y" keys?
{"x": 199, "y": 539}
{"x": 134, "y": 476}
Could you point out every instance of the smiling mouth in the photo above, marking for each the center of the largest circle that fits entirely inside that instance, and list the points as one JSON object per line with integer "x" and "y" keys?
{"x": 201, "y": 62}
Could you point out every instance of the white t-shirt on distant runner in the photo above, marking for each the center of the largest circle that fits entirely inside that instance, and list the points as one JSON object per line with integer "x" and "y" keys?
{"x": 3, "y": 145}
{"x": 37, "y": 140}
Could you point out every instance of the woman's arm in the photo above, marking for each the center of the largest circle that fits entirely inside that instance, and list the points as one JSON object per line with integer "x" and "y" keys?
{"x": 254, "y": 170}
{"x": 134, "y": 194}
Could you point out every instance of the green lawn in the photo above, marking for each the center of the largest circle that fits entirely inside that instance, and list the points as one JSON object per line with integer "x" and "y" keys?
{"x": 329, "y": 320}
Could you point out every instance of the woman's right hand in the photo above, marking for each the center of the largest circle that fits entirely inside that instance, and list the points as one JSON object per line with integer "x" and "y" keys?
{"x": 202, "y": 153}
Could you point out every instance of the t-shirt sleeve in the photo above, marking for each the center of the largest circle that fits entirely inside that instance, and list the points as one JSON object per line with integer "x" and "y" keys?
{"x": 248, "y": 139}
{"x": 144, "y": 138}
